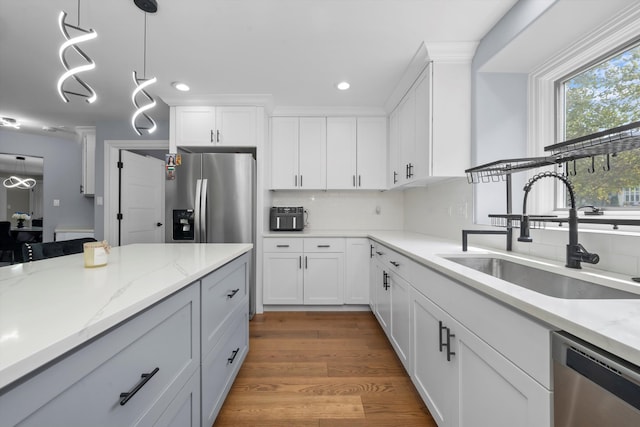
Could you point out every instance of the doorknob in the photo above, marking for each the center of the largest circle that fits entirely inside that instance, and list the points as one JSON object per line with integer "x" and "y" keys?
{"x": 159, "y": 224}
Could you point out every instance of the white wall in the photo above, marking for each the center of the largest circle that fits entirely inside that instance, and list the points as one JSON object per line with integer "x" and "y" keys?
{"x": 62, "y": 177}
{"x": 347, "y": 210}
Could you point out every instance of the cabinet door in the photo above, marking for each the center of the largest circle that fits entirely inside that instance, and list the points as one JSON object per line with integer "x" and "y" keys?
{"x": 394, "y": 149}
{"x": 374, "y": 277}
{"x": 371, "y": 162}
{"x": 184, "y": 410}
{"x": 341, "y": 153}
{"x": 313, "y": 153}
{"x": 284, "y": 153}
{"x": 195, "y": 126}
{"x": 324, "y": 278}
{"x": 237, "y": 126}
{"x": 422, "y": 149}
{"x": 432, "y": 375}
{"x": 357, "y": 277}
{"x": 282, "y": 278}
{"x": 406, "y": 136}
{"x": 88, "y": 163}
{"x": 400, "y": 318}
{"x": 493, "y": 391}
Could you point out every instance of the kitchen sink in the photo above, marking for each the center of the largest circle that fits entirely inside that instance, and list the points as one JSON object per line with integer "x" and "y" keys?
{"x": 541, "y": 281}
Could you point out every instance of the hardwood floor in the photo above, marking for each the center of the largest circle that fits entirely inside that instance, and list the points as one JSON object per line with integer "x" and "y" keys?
{"x": 323, "y": 370}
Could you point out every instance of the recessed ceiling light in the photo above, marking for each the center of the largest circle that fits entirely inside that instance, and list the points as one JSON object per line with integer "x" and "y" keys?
{"x": 182, "y": 87}
{"x": 343, "y": 85}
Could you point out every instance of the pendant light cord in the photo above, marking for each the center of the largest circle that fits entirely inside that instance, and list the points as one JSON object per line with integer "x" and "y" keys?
{"x": 144, "y": 56}
{"x": 78, "y": 13}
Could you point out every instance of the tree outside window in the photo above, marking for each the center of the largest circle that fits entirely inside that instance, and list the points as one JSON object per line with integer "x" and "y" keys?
{"x": 602, "y": 97}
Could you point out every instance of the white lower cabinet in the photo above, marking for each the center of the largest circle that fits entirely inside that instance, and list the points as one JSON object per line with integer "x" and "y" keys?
{"x": 400, "y": 317}
{"x": 474, "y": 362}
{"x": 126, "y": 377}
{"x": 170, "y": 365}
{"x": 356, "y": 288}
{"x": 304, "y": 271}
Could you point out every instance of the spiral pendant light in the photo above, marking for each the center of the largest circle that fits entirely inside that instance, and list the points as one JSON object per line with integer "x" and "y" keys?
{"x": 140, "y": 120}
{"x": 70, "y": 42}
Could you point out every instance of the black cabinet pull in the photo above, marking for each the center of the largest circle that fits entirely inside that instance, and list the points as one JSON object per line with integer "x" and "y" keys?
{"x": 385, "y": 280}
{"x": 300, "y": 261}
{"x": 406, "y": 172}
{"x": 354, "y": 180}
{"x": 446, "y": 344}
{"x": 410, "y": 166}
{"x": 233, "y": 293}
{"x": 379, "y": 253}
{"x": 282, "y": 246}
{"x": 211, "y": 135}
{"x": 324, "y": 246}
{"x": 449, "y": 352}
{"x": 395, "y": 177}
{"x": 359, "y": 180}
{"x": 371, "y": 251}
{"x": 306, "y": 266}
{"x": 124, "y": 397}
{"x": 234, "y": 353}
{"x": 395, "y": 264}
{"x": 217, "y": 136}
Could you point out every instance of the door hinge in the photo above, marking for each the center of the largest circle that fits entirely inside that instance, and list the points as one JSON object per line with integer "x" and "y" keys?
{"x": 120, "y": 165}
{"x": 119, "y": 216}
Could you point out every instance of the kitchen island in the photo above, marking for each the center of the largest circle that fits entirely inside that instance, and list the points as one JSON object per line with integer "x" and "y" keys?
{"x": 56, "y": 315}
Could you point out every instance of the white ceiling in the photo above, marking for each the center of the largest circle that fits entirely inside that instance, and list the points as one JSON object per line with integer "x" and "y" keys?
{"x": 294, "y": 50}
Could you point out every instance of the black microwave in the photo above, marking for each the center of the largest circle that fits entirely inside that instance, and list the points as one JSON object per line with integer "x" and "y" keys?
{"x": 285, "y": 218}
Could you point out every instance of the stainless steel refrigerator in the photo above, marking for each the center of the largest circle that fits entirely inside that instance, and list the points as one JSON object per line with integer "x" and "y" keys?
{"x": 212, "y": 200}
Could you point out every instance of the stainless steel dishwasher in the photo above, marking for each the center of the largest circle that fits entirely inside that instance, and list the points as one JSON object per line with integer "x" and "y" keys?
{"x": 593, "y": 387}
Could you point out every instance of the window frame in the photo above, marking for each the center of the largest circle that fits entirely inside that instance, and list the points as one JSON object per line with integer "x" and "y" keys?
{"x": 545, "y": 117}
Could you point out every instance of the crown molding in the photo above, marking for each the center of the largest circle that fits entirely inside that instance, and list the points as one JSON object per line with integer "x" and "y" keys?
{"x": 299, "y": 111}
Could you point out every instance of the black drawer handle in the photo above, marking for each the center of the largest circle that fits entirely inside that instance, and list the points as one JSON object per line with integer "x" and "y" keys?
{"x": 233, "y": 293}
{"x": 396, "y": 264}
{"x": 124, "y": 397}
{"x": 324, "y": 246}
{"x": 379, "y": 253}
{"x": 282, "y": 246}
{"x": 234, "y": 353}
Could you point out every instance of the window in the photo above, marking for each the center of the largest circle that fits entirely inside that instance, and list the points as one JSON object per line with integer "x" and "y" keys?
{"x": 600, "y": 97}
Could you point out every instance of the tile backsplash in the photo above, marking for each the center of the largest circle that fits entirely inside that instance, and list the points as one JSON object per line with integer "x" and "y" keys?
{"x": 346, "y": 210}
{"x": 445, "y": 208}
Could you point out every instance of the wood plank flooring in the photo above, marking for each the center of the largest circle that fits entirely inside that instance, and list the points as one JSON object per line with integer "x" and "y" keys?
{"x": 321, "y": 369}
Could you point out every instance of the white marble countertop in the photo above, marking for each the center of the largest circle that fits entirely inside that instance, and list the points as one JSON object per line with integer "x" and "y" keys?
{"x": 613, "y": 325}
{"x": 49, "y": 307}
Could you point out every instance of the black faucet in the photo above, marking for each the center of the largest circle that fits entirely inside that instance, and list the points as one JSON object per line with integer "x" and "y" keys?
{"x": 576, "y": 253}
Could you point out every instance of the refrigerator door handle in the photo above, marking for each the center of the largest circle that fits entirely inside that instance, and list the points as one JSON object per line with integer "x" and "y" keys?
{"x": 196, "y": 211}
{"x": 203, "y": 211}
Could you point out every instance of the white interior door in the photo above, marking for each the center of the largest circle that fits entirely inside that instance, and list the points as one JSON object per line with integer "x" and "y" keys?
{"x": 141, "y": 199}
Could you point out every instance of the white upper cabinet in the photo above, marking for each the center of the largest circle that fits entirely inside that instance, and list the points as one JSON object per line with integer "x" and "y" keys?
{"x": 356, "y": 152}
{"x": 298, "y": 153}
{"x": 430, "y": 128}
{"x": 341, "y": 153}
{"x": 214, "y": 126}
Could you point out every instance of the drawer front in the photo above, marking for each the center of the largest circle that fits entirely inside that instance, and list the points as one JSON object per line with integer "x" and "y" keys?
{"x": 221, "y": 293}
{"x": 221, "y": 366}
{"x": 86, "y": 386}
{"x": 330, "y": 244}
{"x": 393, "y": 261}
{"x": 273, "y": 244}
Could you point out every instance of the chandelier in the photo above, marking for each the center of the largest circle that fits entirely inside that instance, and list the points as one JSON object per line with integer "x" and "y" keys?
{"x": 140, "y": 114}
{"x": 72, "y": 72}
{"x": 14, "y": 181}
